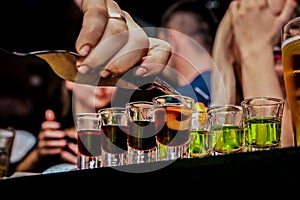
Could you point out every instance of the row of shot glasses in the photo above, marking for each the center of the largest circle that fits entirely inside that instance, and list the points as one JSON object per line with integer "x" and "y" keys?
{"x": 140, "y": 132}
{"x": 170, "y": 128}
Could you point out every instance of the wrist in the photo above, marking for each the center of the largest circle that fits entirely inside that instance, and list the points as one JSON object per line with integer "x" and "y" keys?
{"x": 265, "y": 51}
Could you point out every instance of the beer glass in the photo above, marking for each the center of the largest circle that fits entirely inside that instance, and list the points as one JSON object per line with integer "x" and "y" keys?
{"x": 89, "y": 141}
{"x": 141, "y": 132}
{"x": 262, "y": 122}
{"x": 200, "y": 135}
{"x": 226, "y": 126}
{"x": 114, "y": 123}
{"x": 7, "y": 137}
{"x": 290, "y": 46}
{"x": 172, "y": 114}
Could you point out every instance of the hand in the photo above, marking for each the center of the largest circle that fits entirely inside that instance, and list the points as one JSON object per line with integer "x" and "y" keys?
{"x": 112, "y": 41}
{"x": 257, "y": 23}
{"x": 52, "y": 141}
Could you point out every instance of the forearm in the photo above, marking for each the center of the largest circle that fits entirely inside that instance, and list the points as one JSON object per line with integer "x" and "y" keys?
{"x": 258, "y": 74}
{"x": 260, "y": 79}
{"x": 29, "y": 163}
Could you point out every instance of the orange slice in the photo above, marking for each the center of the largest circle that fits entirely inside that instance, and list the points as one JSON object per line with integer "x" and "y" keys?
{"x": 178, "y": 118}
{"x": 199, "y": 106}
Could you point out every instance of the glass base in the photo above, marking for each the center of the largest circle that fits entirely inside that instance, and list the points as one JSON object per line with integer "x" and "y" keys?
{"x": 218, "y": 153}
{"x": 165, "y": 153}
{"x": 251, "y": 148}
{"x": 200, "y": 155}
{"x": 110, "y": 160}
{"x": 89, "y": 162}
{"x": 141, "y": 156}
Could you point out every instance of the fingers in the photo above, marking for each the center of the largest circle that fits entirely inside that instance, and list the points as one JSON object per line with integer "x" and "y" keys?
{"x": 276, "y": 6}
{"x": 68, "y": 157}
{"x": 244, "y": 5}
{"x": 71, "y": 133}
{"x": 50, "y": 135}
{"x": 49, "y": 115}
{"x": 51, "y": 142}
{"x": 111, "y": 37}
{"x": 156, "y": 59}
{"x": 111, "y": 42}
{"x": 287, "y": 11}
{"x": 131, "y": 53}
{"x": 51, "y": 147}
{"x": 49, "y": 122}
{"x": 51, "y": 131}
{"x": 93, "y": 25}
{"x": 233, "y": 8}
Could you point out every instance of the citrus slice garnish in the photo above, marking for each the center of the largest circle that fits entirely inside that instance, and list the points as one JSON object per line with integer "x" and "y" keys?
{"x": 178, "y": 118}
{"x": 199, "y": 106}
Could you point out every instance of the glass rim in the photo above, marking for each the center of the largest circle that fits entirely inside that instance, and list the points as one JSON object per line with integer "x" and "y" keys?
{"x": 7, "y": 132}
{"x": 285, "y": 41}
{"x": 168, "y": 100}
{"x": 87, "y": 114}
{"x": 290, "y": 22}
{"x": 225, "y": 106}
{"x": 262, "y": 101}
{"x": 112, "y": 109}
{"x": 173, "y": 95}
{"x": 138, "y": 102}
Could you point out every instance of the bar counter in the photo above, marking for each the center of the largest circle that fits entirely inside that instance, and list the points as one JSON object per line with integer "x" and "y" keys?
{"x": 273, "y": 173}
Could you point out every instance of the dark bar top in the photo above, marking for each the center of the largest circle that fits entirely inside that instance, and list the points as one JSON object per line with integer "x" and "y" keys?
{"x": 273, "y": 173}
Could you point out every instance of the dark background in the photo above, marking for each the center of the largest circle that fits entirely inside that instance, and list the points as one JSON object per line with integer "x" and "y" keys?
{"x": 28, "y": 25}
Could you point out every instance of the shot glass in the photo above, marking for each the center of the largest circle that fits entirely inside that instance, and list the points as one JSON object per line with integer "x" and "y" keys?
{"x": 226, "y": 126}
{"x": 172, "y": 114}
{"x": 141, "y": 134}
{"x": 7, "y": 137}
{"x": 262, "y": 122}
{"x": 200, "y": 136}
{"x": 114, "y": 125}
{"x": 89, "y": 141}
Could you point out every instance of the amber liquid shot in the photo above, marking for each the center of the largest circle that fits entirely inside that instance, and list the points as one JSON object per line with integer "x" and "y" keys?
{"x": 89, "y": 141}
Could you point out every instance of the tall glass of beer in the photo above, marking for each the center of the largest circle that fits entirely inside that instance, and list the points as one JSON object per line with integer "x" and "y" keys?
{"x": 290, "y": 37}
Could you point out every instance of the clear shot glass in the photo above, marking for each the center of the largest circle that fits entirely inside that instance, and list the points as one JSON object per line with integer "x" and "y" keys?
{"x": 172, "y": 114}
{"x": 200, "y": 136}
{"x": 114, "y": 125}
{"x": 262, "y": 122}
{"x": 7, "y": 137}
{"x": 226, "y": 127}
{"x": 89, "y": 141}
{"x": 141, "y": 132}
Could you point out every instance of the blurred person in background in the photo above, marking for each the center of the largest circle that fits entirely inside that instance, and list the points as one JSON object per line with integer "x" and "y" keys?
{"x": 26, "y": 93}
{"x": 56, "y": 145}
{"x": 246, "y": 55}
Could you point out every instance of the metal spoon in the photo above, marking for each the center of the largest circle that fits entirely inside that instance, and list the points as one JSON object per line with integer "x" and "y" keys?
{"x": 63, "y": 63}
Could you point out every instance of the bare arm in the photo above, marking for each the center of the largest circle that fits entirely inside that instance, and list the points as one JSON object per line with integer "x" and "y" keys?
{"x": 257, "y": 28}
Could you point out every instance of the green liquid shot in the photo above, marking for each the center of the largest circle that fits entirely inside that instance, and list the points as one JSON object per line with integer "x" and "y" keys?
{"x": 200, "y": 143}
{"x": 228, "y": 139}
{"x": 262, "y": 133}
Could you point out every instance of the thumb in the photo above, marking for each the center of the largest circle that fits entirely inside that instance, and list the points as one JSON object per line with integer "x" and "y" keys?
{"x": 49, "y": 115}
{"x": 288, "y": 10}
